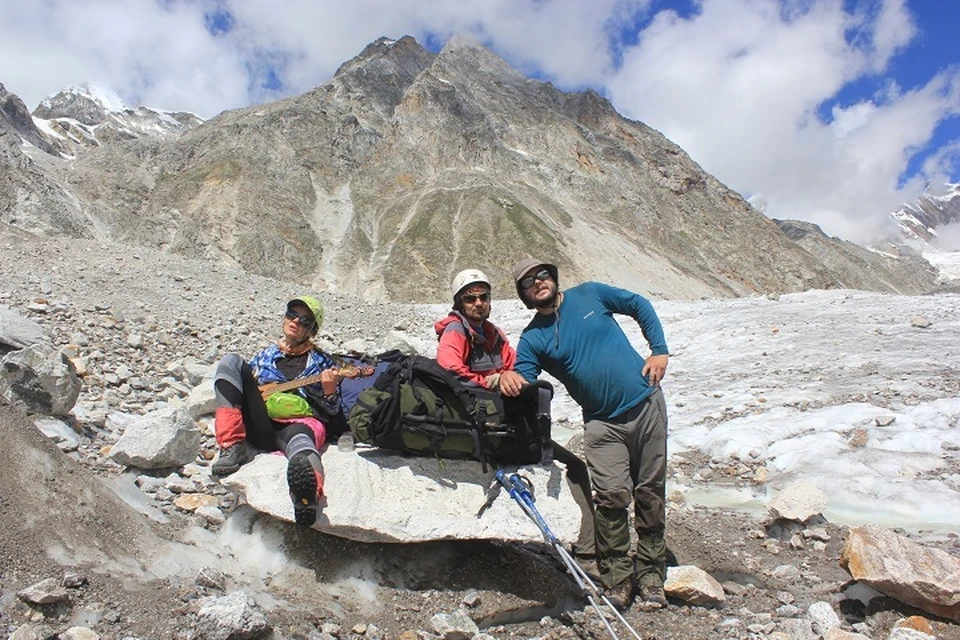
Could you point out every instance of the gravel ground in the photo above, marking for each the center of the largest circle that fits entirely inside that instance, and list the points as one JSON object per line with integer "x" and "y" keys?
{"x": 137, "y": 321}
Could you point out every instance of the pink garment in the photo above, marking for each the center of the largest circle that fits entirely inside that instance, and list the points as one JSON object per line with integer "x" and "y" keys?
{"x": 318, "y": 428}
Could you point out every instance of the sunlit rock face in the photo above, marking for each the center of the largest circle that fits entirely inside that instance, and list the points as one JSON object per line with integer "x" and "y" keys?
{"x": 408, "y": 166}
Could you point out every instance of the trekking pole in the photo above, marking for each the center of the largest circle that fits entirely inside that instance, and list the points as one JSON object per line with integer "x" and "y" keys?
{"x": 521, "y": 494}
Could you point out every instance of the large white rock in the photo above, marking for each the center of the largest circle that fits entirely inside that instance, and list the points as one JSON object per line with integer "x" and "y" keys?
{"x": 163, "y": 438}
{"x": 694, "y": 585}
{"x": 201, "y": 401}
{"x": 377, "y": 496}
{"x": 800, "y": 501}
{"x": 16, "y": 331}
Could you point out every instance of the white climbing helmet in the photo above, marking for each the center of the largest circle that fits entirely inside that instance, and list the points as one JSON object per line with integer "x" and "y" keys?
{"x": 466, "y": 278}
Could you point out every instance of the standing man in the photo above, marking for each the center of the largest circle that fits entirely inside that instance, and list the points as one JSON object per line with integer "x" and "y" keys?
{"x": 575, "y": 338}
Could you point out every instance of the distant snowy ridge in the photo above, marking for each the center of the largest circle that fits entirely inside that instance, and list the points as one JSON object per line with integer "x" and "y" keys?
{"x": 88, "y": 116}
{"x": 919, "y": 222}
{"x": 103, "y": 96}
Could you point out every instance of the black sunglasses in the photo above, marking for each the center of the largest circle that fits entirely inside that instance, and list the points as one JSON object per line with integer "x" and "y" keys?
{"x": 470, "y": 299}
{"x": 303, "y": 319}
{"x": 543, "y": 274}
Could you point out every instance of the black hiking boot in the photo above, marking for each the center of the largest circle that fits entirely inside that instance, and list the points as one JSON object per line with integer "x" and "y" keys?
{"x": 302, "y": 481}
{"x": 231, "y": 459}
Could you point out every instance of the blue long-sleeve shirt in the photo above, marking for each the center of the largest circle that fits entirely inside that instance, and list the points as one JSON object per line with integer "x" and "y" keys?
{"x": 582, "y": 346}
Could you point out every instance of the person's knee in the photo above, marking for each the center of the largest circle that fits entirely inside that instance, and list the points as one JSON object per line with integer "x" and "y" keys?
{"x": 616, "y": 499}
{"x": 593, "y": 434}
{"x": 230, "y": 363}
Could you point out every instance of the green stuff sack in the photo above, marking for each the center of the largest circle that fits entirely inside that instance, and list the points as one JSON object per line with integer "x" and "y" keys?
{"x": 282, "y": 406}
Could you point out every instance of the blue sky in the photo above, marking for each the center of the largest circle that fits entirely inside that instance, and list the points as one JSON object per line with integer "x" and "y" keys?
{"x": 831, "y": 111}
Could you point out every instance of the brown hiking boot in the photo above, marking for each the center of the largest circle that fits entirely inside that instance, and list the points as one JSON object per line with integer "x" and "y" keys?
{"x": 588, "y": 564}
{"x": 652, "y": 597}
{"x": 231, "y": 459}
{"x": 621, "y": 595}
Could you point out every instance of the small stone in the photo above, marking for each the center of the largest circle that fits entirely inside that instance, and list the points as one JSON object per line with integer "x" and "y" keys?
{"x": 786, "y": 572}
{"x": 818, "y": 533}
{"x": 73, "y": 580}
{"x": 760, "y": 475}
{"x": 823, "y": 617}
{"x": 471, "y": 598}
{"x": 788, "y": 611}
{"x": 858, "y": 438}
{"x": 193, "y": 501}
{"x": 46, "y": 591}
{"x": 212, "y": 579}
{"x": 734, "y": 588}
{"x": 917, "y": 623}
{"x": 79, "y": 633}
{"x": 213, "y": 515}
{"x": 331, "y": 628}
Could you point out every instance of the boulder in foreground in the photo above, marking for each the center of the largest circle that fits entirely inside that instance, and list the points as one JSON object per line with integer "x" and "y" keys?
{"x": 928, "y": 579}
{"x": 374, "y": 495}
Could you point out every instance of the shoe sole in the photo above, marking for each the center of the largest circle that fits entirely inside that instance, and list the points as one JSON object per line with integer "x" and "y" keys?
{"x": 224, "y": 471}
{"x": 303, "y": 490}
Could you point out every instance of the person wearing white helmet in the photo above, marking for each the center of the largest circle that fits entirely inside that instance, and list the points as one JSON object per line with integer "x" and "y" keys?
{"x": 469, "y": 344}
{"x": 480, "y": 353}
{"x": 295, "y": 421}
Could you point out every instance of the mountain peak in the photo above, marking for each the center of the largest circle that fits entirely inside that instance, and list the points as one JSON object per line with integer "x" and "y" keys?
{"x": 88, "y": 104}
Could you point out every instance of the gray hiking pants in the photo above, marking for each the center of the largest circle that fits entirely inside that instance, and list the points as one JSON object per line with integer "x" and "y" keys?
{"x": 627, "y": 458}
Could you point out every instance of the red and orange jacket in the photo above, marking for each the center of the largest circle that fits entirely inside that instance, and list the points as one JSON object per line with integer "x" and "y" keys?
{"x": 473, "y": 355}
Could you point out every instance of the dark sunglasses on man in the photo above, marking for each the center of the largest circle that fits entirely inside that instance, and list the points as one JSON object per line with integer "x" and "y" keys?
{"x": 303, "y": 319}
{"x": 543, "y": 274}
{"x": 470, "y": 298}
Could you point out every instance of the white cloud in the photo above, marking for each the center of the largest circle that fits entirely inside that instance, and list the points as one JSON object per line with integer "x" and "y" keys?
{"x": 739, "y": 86}
{"x": 748, "y": 87}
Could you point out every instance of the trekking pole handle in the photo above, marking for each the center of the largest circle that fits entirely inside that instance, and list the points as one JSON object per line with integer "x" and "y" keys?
{"x": 520, "y": 493}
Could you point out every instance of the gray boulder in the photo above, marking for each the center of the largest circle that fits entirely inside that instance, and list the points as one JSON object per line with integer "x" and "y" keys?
{"x": 17, "y": 332}
{"x": 160, "y": 439}
{"x": 233, "y": 616}
{"x": 39, "y": 378}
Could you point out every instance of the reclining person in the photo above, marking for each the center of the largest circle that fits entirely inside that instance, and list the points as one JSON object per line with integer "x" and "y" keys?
{"x": 294, "y": 421}
{"x": 478, "y": 352}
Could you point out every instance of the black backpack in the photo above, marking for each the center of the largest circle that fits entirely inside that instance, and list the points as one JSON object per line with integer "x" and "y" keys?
{"x": 418, "y": 407}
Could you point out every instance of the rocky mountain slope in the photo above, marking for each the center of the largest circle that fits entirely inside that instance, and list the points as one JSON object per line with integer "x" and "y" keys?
{"x": 408, "y": 166}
